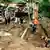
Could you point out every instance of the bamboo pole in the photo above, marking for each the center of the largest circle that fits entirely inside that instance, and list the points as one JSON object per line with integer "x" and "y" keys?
{"x": 24, "y": 33}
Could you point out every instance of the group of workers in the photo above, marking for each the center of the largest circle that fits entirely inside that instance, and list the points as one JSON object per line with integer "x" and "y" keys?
{"x": 35, "y": 21}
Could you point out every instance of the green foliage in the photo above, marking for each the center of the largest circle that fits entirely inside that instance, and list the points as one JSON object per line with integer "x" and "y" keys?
{"x": 44, "y": 8}
{"x": 4, "y": 1}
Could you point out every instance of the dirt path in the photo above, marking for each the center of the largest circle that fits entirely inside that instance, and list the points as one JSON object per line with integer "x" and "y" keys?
{"x": 30, "y": 43}
{"x": 35, "y": 38}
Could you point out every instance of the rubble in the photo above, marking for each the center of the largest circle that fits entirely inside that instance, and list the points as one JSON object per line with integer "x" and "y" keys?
{"x": 2, "y": 33}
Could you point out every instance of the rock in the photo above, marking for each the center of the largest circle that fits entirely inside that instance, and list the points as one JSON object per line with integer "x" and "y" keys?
{"x": 2, "y": 33}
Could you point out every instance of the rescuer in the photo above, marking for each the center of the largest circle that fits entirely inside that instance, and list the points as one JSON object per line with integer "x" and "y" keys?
{"x": 35, "y": 22}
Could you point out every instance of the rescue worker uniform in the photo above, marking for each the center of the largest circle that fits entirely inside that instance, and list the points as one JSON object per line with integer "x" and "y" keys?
{"x": 35, "y": 22}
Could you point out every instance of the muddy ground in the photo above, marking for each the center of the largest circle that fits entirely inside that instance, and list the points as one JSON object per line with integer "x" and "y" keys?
{"x": 31, "y": 41}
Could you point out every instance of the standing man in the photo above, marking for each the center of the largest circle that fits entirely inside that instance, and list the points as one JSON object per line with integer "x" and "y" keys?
{"x": 35, "y": 17}
{"x": 7, "y": 16}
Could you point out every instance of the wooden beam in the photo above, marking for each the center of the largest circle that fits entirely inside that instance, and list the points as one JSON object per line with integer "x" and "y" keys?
{"x": 24, "y": 33}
